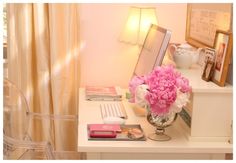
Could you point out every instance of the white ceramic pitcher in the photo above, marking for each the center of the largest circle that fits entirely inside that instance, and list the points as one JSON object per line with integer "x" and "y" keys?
{"x": 185, "y": 55}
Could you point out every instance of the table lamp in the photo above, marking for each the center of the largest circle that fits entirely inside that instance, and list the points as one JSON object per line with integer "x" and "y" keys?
{"x": 137, "y": 25}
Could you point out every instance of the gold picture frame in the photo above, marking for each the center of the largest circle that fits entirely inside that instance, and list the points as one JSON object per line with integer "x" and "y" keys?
{"x": 223, "y": 46}
{"x": 203, "y": 19}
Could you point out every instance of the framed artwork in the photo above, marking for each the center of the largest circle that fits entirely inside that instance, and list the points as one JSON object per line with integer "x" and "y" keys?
{"x": 203, "y": 19}
{"x": 223, "y": 47}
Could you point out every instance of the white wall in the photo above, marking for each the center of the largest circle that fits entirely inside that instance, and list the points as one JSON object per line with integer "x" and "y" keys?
{"x": 106, "y": 61}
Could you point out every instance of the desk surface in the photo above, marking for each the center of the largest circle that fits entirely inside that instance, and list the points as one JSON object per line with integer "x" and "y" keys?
{"x": 89, "y": 112}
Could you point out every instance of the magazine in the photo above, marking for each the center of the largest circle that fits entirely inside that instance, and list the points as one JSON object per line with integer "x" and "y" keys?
{"x": 98, "y": 93}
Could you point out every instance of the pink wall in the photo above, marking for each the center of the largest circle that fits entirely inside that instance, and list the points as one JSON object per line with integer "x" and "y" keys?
{"x": 106, "y": 61}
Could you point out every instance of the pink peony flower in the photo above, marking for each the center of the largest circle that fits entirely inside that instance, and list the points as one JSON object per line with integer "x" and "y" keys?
{"x": 162, "y": 92}
{"x": 163, "y": 83}
{"x": 183, "y": 84}
{"x": 134, "y": 82}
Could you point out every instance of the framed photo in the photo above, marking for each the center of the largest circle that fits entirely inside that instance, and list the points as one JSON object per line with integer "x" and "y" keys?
{"x": 223, "y": 46}
{"x": 208, "y": 70}
{"x": 203, "y": 19}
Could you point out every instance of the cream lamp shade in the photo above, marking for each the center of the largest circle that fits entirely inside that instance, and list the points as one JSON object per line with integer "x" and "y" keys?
{"x": 137, "y": 25}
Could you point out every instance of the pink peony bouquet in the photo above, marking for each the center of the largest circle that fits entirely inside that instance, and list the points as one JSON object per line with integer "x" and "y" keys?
{"x": 163, "y": 90}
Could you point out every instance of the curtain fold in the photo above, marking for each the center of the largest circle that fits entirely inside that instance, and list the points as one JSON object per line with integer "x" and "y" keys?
{"x": 43, "y": 51}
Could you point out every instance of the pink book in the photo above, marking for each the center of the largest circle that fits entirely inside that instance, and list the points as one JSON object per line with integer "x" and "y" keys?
{"x": 105, "y": 127}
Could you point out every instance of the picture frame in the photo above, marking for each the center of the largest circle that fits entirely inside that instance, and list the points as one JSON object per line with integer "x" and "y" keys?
{"x": 208, "y": 70}
{"x": 223, "y": 46}
{"x": 203, "y": 19}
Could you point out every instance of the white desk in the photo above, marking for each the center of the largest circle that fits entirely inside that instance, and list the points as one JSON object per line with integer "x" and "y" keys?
{"x": 177, "y": 148}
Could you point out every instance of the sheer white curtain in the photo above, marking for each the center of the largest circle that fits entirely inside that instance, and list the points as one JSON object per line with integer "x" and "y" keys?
{"x": 43, "y": 56}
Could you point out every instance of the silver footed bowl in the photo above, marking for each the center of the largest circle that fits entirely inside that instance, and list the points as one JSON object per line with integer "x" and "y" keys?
{"x": 160, "y": 122}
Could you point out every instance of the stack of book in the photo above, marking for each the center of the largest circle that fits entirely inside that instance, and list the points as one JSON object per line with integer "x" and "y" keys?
{"x": 97, "y": 93}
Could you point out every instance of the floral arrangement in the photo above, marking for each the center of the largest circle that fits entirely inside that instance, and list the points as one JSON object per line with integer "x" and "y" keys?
{"x": 163, "y": 90}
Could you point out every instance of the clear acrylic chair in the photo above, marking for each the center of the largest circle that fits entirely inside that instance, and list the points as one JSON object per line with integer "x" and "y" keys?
{"x": 17, "y": 140}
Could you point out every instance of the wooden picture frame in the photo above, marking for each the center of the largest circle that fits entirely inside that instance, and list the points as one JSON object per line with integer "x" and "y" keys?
{"x": 203, "y": 19}
{"x": 223, "y": 46}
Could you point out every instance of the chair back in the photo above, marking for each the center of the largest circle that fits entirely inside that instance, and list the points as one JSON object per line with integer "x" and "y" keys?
{"x": 17, "y": 127}
{"x": 17, "y": 144}
{"x": 15, "y": 112}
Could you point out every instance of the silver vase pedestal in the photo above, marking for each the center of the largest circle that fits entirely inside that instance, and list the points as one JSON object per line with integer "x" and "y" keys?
{"x": 160, "y": 122}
